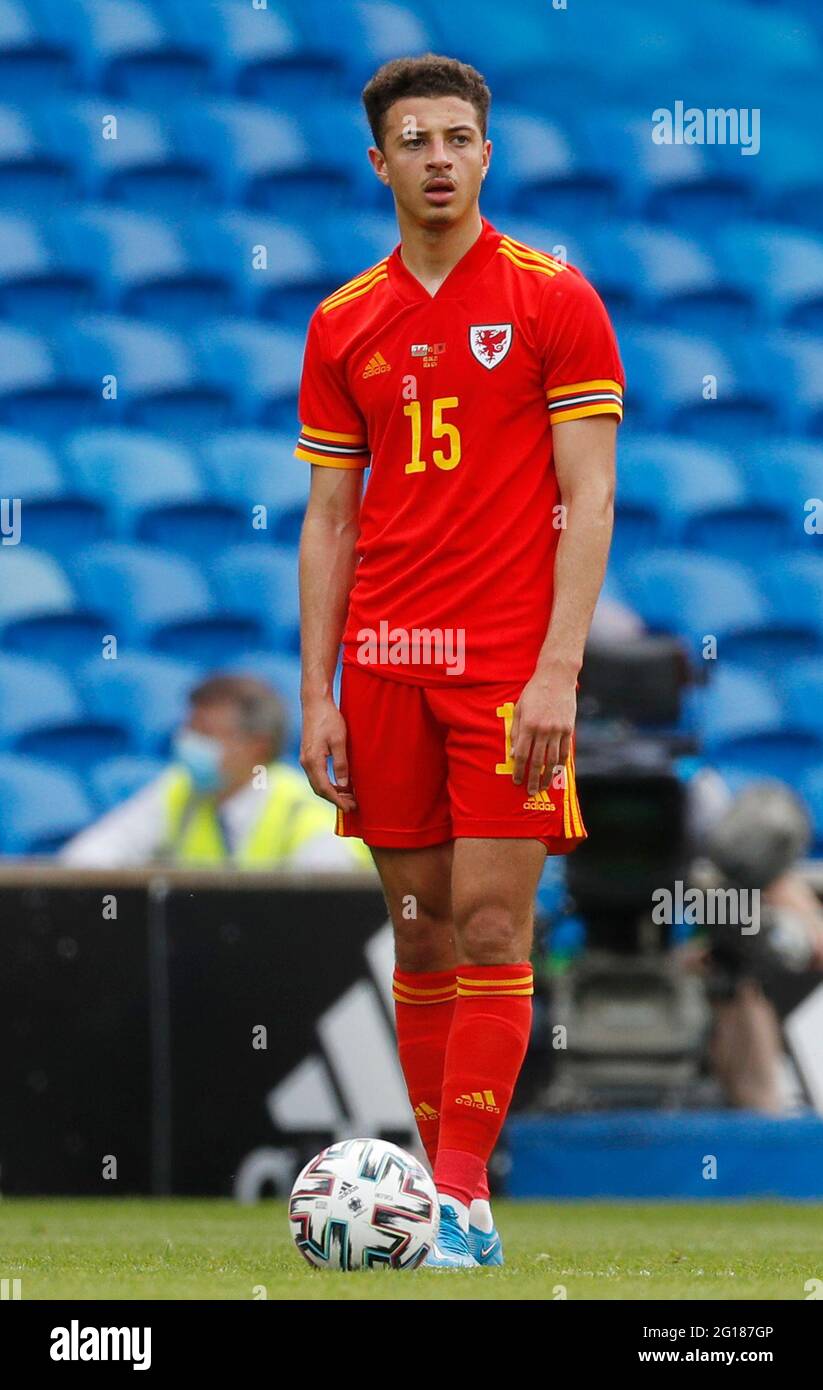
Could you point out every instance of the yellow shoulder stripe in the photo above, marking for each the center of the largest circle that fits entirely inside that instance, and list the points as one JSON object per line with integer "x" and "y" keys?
{"x": 356, "y": 283}
{"x": 527, "y": 252}
{"x": 355, "y": 294}
{"x": 523, "y": 264}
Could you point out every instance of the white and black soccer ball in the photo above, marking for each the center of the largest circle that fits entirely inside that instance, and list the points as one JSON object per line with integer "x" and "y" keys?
{"x": 362, "y": 1204}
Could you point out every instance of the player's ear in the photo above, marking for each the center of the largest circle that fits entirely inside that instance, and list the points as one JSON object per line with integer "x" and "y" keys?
{"x": 378, "y": 163}
{"x": 487, "y": 155}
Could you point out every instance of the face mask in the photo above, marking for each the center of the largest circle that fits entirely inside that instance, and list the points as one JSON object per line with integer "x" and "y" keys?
{"x": 202, "y": 757}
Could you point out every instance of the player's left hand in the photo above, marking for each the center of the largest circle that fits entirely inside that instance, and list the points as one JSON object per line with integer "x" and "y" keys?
{"x": 542, "y": 727}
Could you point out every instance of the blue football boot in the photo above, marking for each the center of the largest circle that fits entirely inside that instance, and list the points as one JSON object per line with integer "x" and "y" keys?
{"x": 486, "y": 1246}
{"x": 451, "y": 1246}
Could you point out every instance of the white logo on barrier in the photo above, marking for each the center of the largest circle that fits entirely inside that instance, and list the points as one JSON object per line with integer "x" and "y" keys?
{"x": 351, "y": 1085}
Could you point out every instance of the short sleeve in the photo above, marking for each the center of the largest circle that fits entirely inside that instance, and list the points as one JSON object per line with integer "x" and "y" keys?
{"x": 582, "y": 371}
{"x": 332, "y": 430}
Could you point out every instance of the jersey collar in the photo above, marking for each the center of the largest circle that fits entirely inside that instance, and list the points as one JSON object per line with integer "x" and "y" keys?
{"x": 409, "y": 288}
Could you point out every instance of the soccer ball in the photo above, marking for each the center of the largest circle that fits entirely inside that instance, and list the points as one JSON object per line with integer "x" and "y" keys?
{"x": 363, "y": 1203}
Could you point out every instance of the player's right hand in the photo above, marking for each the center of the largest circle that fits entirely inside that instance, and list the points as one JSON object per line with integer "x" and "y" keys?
{"x": 324, "y": 737}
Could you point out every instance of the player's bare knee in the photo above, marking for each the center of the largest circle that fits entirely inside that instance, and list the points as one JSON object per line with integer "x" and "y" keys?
{"x": 424, "y": 942}
{"x": 490, "y": 934}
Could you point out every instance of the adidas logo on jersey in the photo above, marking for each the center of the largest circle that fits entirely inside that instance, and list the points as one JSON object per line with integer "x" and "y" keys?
{"x": 375, "y": 365}
{"x": 423, "y": 1111}
{"x": 541, "y": 801}
{"x": 479, "y": 1100}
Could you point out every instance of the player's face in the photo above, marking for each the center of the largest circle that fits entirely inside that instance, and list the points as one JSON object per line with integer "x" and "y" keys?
{"x": 434, "y": 158}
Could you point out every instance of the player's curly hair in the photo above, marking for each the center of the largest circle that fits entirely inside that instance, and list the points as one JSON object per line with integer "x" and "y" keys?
{"x": 431, "y": 75}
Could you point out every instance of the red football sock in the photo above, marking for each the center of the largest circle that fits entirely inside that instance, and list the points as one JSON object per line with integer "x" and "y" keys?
{"x": 486, "y": 1047}
{"x": 423, "y": 1007}
{"x": 423, "y": 1023}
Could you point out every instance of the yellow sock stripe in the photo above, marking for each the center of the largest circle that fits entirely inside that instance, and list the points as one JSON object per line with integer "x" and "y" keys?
{"x": 355, "y": 294}
{"x": 491, "y": 993}
{"x": 520, "y": 248}
{"x": 356, "y": 282}
{"x": 488, "y": 984}
{"x": 409, "y": 998}
{"x": 417, "y": 989}
{"x": 525, "y": 265}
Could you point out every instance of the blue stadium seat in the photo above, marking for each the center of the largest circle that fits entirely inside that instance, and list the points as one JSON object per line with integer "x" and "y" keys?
{"x": 262, "y": 157}
{"x": 782, "y": 269}
{"x": 262, "y": 583}
{"x": 658, "y": 273}
{"x": 124, "y": 47}
{"x": 162, "y": 601}
{"x": 258, "y": 365}
{"x": 788, "y": 169}
{"x": 537, "y": 50}
{"x": 549, "y": 71}
{"x": 811, "y": 789}
{"x": 58, "y": 517}
{"x": 798, "y": 366}
{"x": 32, "y": 173}
{"x": 272, "y": 54}
{"x": 538, "y": 173}
{"x": 158, "y": 382}
{"x": 369, "y": 34}
{"x": 117, "y": 778}
{"x": 803, "y": 687}
{"x": 142, "y": 690}
{"x": 788, "y": 475}
{"x": 700, "y": 596}
{"x": 35, "y": 391}
{"x": 773, "y": 38}
{"x": 276, "y": 269}
{"x": 144, "y": 166}
{"x": 793, "y": 583}
{"x": 702, "y": 496}
{"x": 37, "y": 284}
{"x": 695, "y": 495}
{"x": 41, "y": 715}
{"x": 353, "y": 241}
{"x": 39, "y": 612}
{"x": 254, "y": 468}
{"x": 41, "y": 805}
{"x": 689, "y": 186}
{"x": 30, "y": 59}
{"x": 145, "y": 265}
{"x": 678, "y": 591}
{"x": 744, "y": 726}
{"x": 153, "y": 490}
{"x": 669, "y": 372}
{"x": 283, "y": 672}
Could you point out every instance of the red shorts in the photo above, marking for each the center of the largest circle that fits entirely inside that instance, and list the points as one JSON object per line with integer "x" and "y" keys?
{"x": 431, "y": 763}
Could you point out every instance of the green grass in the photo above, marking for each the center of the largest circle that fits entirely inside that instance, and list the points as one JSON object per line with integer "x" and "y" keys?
{"x": 191, "y": 1249}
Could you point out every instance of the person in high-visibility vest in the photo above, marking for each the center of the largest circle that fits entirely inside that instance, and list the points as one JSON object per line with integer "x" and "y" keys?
{"x": 226, "y": 799}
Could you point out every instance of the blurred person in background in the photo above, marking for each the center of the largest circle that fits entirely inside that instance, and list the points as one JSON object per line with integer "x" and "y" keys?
{"x": 227, "y": 800}
{"x": 746, "y": 1045}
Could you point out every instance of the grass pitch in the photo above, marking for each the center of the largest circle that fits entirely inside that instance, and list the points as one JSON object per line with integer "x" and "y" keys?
{"x": 101, "y": 1248}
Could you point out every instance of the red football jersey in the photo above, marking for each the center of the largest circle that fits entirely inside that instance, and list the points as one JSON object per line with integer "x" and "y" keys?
{"x": 450, "y": 398}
